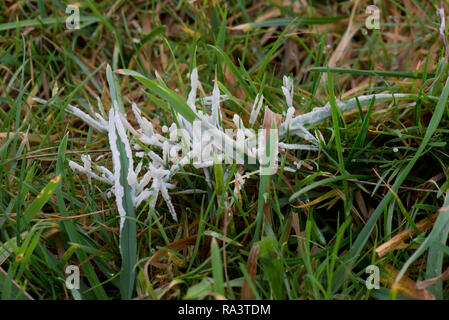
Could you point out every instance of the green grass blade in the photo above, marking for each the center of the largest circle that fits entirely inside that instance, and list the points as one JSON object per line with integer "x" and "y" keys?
{"x": 124, "y": 199}
{"x": 361, "y": 135}
{"x": 269, "y": 258}
{"x": 235, "y": 71}
{"x": 69, "y": 225}
{"x": 164, "y": 92}
{"x": 128, "y": 241}
{"x": 299, "y": 22}
{"x": 114, "y": 89}
{"x": 364, "y": 234}
{"x": 336, "y": 114}
{"x": 217, "y": 269}
{"x": 43, "y": 22}
{"x": 7, "y": 247}
{"x": 374, "y": 73}
{"x": 438, "y": 235}
{"x": 40, "y": 200}
{"x": 322, "y": 183}
{"x": 265, "y": 175}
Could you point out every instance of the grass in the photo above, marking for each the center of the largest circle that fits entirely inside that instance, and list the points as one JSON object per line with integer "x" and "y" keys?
{"x": 310, "y": 234}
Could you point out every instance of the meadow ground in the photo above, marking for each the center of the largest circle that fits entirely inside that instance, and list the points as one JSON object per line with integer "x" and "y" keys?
{"x": 367, "y": 202}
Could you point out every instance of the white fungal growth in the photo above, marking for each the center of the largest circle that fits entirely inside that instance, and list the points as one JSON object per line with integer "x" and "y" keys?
{"x": 100, "y": 107}
{"x": 319, "y": 114}
{"x": 160, "y": 184}
{"x": 87, "y": 118}
{"x": 106, "y": 174}
{"x": 287, "y": 89}
{"x": 76, "y": 167}
{"x": 297, "y": 146}
{"x": 200, "y": 143}
{"x": 173, "y": 130}
{"x": 208, "y": 100}
{"x": 194, "y": 83}
{"x": 143, "y": 196}
{"x": 145, "y": 125}
{"x": 87, "y": 166}
{"x": 118, "y": 188}
{"x": 289, "y": 117}
{"x": 132, "y": 178}
{"x": 216, "y": 105}
{"x": 237, "y": 121}
{"x": 240, "y": 182}
{"x": 256, "y": 109}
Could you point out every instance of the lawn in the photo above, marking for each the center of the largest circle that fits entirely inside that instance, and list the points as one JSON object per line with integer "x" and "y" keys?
{"x": 167, "y": 150}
